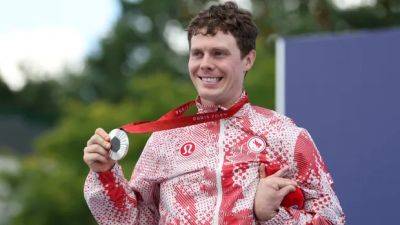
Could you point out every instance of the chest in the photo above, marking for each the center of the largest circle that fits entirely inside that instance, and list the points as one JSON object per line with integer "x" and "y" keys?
{"x": 211, "y": 147}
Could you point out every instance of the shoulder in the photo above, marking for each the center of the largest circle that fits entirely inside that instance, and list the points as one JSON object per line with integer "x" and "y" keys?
{"x": 282, "y": 131}
{"x": 274, "y": 118}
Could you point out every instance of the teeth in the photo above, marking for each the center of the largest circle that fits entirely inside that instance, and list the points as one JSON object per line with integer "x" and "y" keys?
{"x": 211, "y": 79}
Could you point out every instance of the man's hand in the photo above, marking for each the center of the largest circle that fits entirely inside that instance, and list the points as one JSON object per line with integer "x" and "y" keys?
{"x": 95, "y": 154}
{"x": 270, "y": 192}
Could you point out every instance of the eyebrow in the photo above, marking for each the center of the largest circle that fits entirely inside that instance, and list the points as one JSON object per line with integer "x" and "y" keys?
{"x": 212, "y": 49}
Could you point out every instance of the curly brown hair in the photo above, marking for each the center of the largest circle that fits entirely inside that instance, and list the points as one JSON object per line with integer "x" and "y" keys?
{"x": 227, "y": 18}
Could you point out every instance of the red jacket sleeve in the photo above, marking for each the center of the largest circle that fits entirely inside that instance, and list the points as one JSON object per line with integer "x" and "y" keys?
{"x": 321, "y": 204}
{"x": 114, "y": 200}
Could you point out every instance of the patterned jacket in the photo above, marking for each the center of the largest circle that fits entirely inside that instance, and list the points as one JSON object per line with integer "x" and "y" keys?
{"x": 208, "y": 174}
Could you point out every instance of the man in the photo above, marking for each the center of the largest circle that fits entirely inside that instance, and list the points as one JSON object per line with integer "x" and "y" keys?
{"x": 214, "y": 172}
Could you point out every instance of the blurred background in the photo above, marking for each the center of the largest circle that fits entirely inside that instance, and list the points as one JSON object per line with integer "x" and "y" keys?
{"x": 68, "y": 67}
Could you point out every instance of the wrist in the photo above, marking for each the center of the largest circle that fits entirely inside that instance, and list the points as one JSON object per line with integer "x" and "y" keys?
{"x": 105, "y": 168}
{"x": 268, "y": 216}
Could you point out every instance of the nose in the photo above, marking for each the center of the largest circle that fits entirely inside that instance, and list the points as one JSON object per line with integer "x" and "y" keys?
{"x": 206, "y": 63}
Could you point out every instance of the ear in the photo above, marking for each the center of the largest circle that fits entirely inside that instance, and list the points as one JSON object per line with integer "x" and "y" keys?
{"x": 249, "y": 59}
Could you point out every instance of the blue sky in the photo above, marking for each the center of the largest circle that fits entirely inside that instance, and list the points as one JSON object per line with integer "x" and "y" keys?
{"x": 47, "y": 33}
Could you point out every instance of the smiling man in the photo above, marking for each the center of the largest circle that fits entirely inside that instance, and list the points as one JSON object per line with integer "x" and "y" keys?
{"x": 217, "y": 67}
{"x": 235, "y": 170}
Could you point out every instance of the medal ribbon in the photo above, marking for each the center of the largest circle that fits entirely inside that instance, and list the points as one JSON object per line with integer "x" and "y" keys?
{"x": 175, "y": 118}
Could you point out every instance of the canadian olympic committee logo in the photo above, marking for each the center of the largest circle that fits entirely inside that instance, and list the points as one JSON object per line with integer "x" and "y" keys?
{"x": 187, "y": 149}
{"x": 256, "y": 144}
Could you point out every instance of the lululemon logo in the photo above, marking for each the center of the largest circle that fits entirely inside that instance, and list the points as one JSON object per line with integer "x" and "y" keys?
{"x": 256, "y": 144}
{"x": 187, "y": 149}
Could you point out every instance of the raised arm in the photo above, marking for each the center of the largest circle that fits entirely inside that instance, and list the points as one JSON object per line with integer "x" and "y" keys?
{"x": 110, "y": 197}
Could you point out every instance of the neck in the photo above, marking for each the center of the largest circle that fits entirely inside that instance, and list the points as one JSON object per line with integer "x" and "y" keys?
{"x": 225, "y": 104}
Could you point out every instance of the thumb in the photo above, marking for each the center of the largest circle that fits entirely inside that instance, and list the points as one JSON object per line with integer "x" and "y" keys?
{"x": 286, "y": 190}
{"x": 261, "y": 171}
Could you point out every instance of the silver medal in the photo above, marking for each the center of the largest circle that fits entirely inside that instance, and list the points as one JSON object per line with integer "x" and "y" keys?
{"x": 119, "y": 144}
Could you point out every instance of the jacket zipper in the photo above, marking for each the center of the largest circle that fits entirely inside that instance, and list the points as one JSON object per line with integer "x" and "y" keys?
{"x": 221, "y": 155}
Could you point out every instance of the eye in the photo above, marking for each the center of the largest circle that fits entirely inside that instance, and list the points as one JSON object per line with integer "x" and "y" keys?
{"x": 196, "y": 53}
{"x": 219, "y": 53}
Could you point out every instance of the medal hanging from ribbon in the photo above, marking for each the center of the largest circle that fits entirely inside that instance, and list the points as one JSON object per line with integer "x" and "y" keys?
{"x": 172, "y": 119}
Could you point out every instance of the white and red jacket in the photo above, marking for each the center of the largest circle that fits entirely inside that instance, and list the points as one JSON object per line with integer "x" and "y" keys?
{"x": 208, "y": 174}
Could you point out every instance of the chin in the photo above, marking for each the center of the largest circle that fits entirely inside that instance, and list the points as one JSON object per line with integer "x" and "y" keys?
{"x": 210, "y": 96}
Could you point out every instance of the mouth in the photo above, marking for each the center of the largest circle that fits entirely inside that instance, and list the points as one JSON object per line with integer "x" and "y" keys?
{"x": 210, "y": 80}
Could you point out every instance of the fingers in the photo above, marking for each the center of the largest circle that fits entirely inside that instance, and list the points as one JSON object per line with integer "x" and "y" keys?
{"x": 102, "y": 133}
{"x": 96, "y": 153}
{"x": 93, "y": 157}
{"x": 286, "y": 190}
{"x": 261, "y": 171}
{"x": 278, "y": 183}
{"x": 283, "y": 182}
{"x": 95, "y": 148}
{"x": 277, "y": 179}
{"x": 97, "y": 139}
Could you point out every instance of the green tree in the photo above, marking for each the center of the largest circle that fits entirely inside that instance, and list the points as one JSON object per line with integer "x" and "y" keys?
{"x": 7, "y": 97}
{"x": 49, "y": 187}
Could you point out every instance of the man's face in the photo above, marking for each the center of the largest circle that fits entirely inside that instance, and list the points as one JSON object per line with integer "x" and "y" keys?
{"x": 217, "y": 69}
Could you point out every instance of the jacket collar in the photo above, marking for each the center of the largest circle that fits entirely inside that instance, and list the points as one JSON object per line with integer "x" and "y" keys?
{"x": 202, "y": 108}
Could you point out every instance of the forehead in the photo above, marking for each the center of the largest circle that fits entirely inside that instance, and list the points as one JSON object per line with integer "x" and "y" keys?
{"x": 219, "y": 40}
